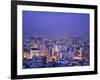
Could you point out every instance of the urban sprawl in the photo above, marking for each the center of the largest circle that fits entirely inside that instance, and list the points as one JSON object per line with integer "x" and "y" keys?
{"x": 40, "y": 52}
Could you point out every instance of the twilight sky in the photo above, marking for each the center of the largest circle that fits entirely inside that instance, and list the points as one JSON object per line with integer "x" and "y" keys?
{"x": 55, "y": 24}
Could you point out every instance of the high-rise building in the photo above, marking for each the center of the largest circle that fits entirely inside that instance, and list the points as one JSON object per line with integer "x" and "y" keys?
{"x": 55, "y": 53}
{"x": 34, "y": 52}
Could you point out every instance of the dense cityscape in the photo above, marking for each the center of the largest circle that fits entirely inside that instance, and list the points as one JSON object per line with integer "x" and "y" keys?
{"x": 42, "y": 52}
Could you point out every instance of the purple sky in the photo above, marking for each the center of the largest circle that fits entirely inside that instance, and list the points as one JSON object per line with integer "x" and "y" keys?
{"x": 55, "y": 24}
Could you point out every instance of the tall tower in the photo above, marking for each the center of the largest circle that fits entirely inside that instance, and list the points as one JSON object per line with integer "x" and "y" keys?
{"x": 55, "y": 53}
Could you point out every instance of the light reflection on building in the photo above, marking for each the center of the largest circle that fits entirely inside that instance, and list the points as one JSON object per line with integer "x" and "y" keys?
{"x": 52, "y": 49}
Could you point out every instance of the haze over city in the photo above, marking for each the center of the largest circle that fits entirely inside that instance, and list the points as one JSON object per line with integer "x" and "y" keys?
{"x": 55, "y": 39}
{"x": 55, "y": 24}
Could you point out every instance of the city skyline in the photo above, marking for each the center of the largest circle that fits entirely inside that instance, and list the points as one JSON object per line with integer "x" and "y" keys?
{"x": 55, "y": 39}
